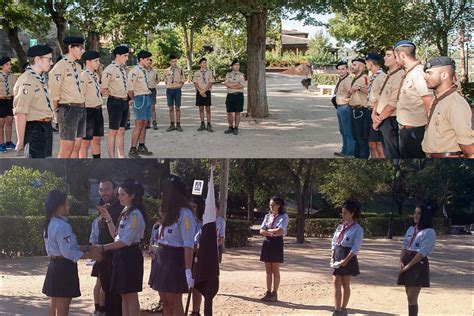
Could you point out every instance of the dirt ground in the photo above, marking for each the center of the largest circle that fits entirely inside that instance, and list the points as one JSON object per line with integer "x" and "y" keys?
{"x": 301, "y": 125}
{"x": 305, "y": 288}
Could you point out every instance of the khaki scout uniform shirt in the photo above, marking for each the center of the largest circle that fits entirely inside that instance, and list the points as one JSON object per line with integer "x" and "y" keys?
{"x": 202, "y": 78}
{"x": 343, "y": 88}
{"x": 64, "y": 82}
{"x": 375, "y": 89}
{"x": 91, "y": 89}
{"x": 30, "y": 98}
{"x": 138, "y": 81}
{"x": 410, "y": 108}
{"x": 153, "y": 79}
{"x": 7, "y": 82}
{"x": 359, "y": 98}
{"x": 389, "y": 93}
{"x": 450, "y": 126}
{"x": 235, "y": 77}
{"x": 174, "y": 78}
{"x": 114, "y": 79}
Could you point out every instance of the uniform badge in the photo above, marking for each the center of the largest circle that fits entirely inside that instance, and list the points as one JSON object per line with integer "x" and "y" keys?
{"x": 68, "y": 239}
{"x": 58, "y": 77}
{"x": 122, "y": 225}
{"x": 417, "y": 244}
{"x": 170, "y": 230}
{"x": 134, "y": 221}
{"x": 347, "y": 238}
{"x": 25, "y": 91}
{"x": 108, "y": 75}
{"x": 187, "y": 226}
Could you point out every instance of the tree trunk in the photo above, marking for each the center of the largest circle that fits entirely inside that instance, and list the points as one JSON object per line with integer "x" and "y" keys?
{"x": 12, "y": 34}
{"x": 93, "y": 41}
{"x": 250, "y": 203}
{"x": 462, "y": 55}
{"x": 56, "y": 9}
{"x": 257, "y": 105}
{"x": 188, "y": 45}
{"x": 300, "y": 202}
{"x": 224, "y": 187}
{"x": 278, "y": 41}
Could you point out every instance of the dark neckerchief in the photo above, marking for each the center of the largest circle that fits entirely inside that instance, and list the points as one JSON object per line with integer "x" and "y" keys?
{"x": 339, "y": 82}
{"x": 388, "y": 78}
{"x": 417, "y": 63}
{"x": 437, "y": 99}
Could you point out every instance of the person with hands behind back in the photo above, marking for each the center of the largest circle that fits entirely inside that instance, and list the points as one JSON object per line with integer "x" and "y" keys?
{"x": 62, "y": 279}
{"x": 345, "y": 245}
{"x": 127, "y": 265}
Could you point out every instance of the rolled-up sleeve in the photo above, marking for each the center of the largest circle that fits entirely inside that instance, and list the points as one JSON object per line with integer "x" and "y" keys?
{"x": 131, "y": 228}
{"x": 283, "y": 224}
{"x": 264, "y": 223}
{"x": 222, "y": 228}
{"x": 68, "y": 244}
{"x": 461, "y": 121}
{"x": 94, "y": 237}
{"x": 187, "y": 228}
{"x": 358, "y": 237}
{"x": 427, "y": 242}
{"x": 23, "y": 97}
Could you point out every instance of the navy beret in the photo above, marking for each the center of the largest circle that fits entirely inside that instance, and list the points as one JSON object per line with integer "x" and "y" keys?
{"x": 360, "y": 60}
{"x": 440, "y": 61}
{"x": 374, "y": 56}
{"x": 120, "y": 50}
{"x": 5, "y": 60}
{"x": 341, "y": 63}
{"x": 404, "y": 43}
{"x": 73, "y": 40}
{"x": 39, "y": 50}
{"x": 143, "y": 54}
{"x": 90, "y": 54}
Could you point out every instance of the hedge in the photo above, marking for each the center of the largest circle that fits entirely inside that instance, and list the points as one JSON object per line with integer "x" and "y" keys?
{"x": 325, "y": 79}
{"x": 23, "y": 235}
{"x": 373, "y": 226}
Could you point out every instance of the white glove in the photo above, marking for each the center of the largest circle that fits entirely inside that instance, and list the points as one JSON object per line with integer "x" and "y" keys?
{"x": 189, "y": 278}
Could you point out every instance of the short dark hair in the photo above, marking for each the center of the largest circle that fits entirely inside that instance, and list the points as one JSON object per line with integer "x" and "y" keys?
{"x": 171, "y": 57}
{"x": 426, "y": 216}
{"x": 66, "y": 49}
{"x": 353, "y": 207}
{"x": 280, "y": 202}
{"x": 114, "y": 185}
{"x": 202, "y": 59}
{"x": 409, "y": 50}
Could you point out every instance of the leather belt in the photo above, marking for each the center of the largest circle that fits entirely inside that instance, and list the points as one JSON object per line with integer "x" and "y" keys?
{"x": 407, "y": 126}
{"x": 98, "y": 107}
{"x": 458, "y": 154}
{"x": 235, "y": 93}
{"x": 6, "y": 98}
{"x": 43, "y": 120}
{"x": 117, "y": 98}
{"x": 75, "y": 105}
{"x": 56, "y": 257}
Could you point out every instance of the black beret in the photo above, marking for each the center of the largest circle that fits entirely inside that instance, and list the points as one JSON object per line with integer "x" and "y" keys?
{"x": 439, "y": 62}
{"x": 5, "y": 60}
{"x": 120, "y": 50}
{"x": 90, "y": 54}
{"x": 404, "y": 43}
{"x": 374, "y": 56}
{"x": 235, "y": 61}
{"x": 341, "y": 63}
{"x": 361, "y": 60}
{"x": 39, "y": 50}
{"x": 143, "y": 54}
{"x": 73, "y": 40}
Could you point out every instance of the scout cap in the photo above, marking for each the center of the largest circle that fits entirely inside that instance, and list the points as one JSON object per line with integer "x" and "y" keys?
{"x": 441, "y": 61}
{"x": 360, "y": 60}
{"x": 341, "y": 63}
{"x": 120, "y": 50}
{"x": 405, "y": 43}
{"x": 73, "y": 40}
{"x": 235, "y": 61}
{"x": 5, "y": 60}
{"x": 143, "y": 54}
{"x": 39, "y": 50}
{"x": 90, "y": 54}
{"x": 374, "y": 57}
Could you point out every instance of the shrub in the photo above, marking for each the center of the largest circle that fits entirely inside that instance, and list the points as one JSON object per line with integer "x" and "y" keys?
{"x": 23, "y": 235}
{"x": 23, "y": 190}
{"x": 325, "y": 79}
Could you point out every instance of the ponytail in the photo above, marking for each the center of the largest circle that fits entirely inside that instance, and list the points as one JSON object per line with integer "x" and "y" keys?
{"x": 134, "y": 188}
{"x": 54, "y": 200}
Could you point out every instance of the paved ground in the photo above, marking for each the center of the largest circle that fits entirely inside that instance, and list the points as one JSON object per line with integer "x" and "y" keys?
{"x": 306, "y": 286}
{"x": 301, "y": 125}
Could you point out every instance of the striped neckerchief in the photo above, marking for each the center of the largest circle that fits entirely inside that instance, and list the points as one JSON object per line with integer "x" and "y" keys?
{"x": 76, "y": 72}
{"x": 42, "y": 80}
{"x": 122, "y": 71}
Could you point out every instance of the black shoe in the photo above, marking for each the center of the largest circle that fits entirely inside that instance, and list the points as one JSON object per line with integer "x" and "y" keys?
{"x": 133, "y": 153}
{"x": 55, "y": 128}
{"x": 344, "y": 312}
{"x": 230, "y": 130}
{"x": 273, "y": 297}
{"x": 209, "y": 128}
{"x": 266, "y": 297}
{"x": 171, "y": 128}
{"x": 128, "y": 125}
{"x": 179, "y": 128}
{"x": 143, "y": 150}
{"x": 236, "y": 131}
{"x": 202, "y": 127}
{"x": 339, "y": 154}
{"x": 155, "y": 125}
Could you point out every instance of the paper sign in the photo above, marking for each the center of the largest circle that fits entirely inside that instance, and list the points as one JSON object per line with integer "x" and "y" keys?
{"x": 197, "y": 187}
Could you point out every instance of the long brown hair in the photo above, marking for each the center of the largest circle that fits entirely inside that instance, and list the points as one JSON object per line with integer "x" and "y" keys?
{"x": 173, "y": 199}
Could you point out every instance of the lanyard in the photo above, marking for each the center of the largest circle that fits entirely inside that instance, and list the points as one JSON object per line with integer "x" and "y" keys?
{"x": 343, "y": 231}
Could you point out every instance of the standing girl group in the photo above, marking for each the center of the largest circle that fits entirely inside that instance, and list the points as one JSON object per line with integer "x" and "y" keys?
{"x": 418, "y": 244}
{"x": 173, "y": 242}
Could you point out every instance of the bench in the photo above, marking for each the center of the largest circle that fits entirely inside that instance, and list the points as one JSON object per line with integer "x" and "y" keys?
{"x": 325, "y": 89}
